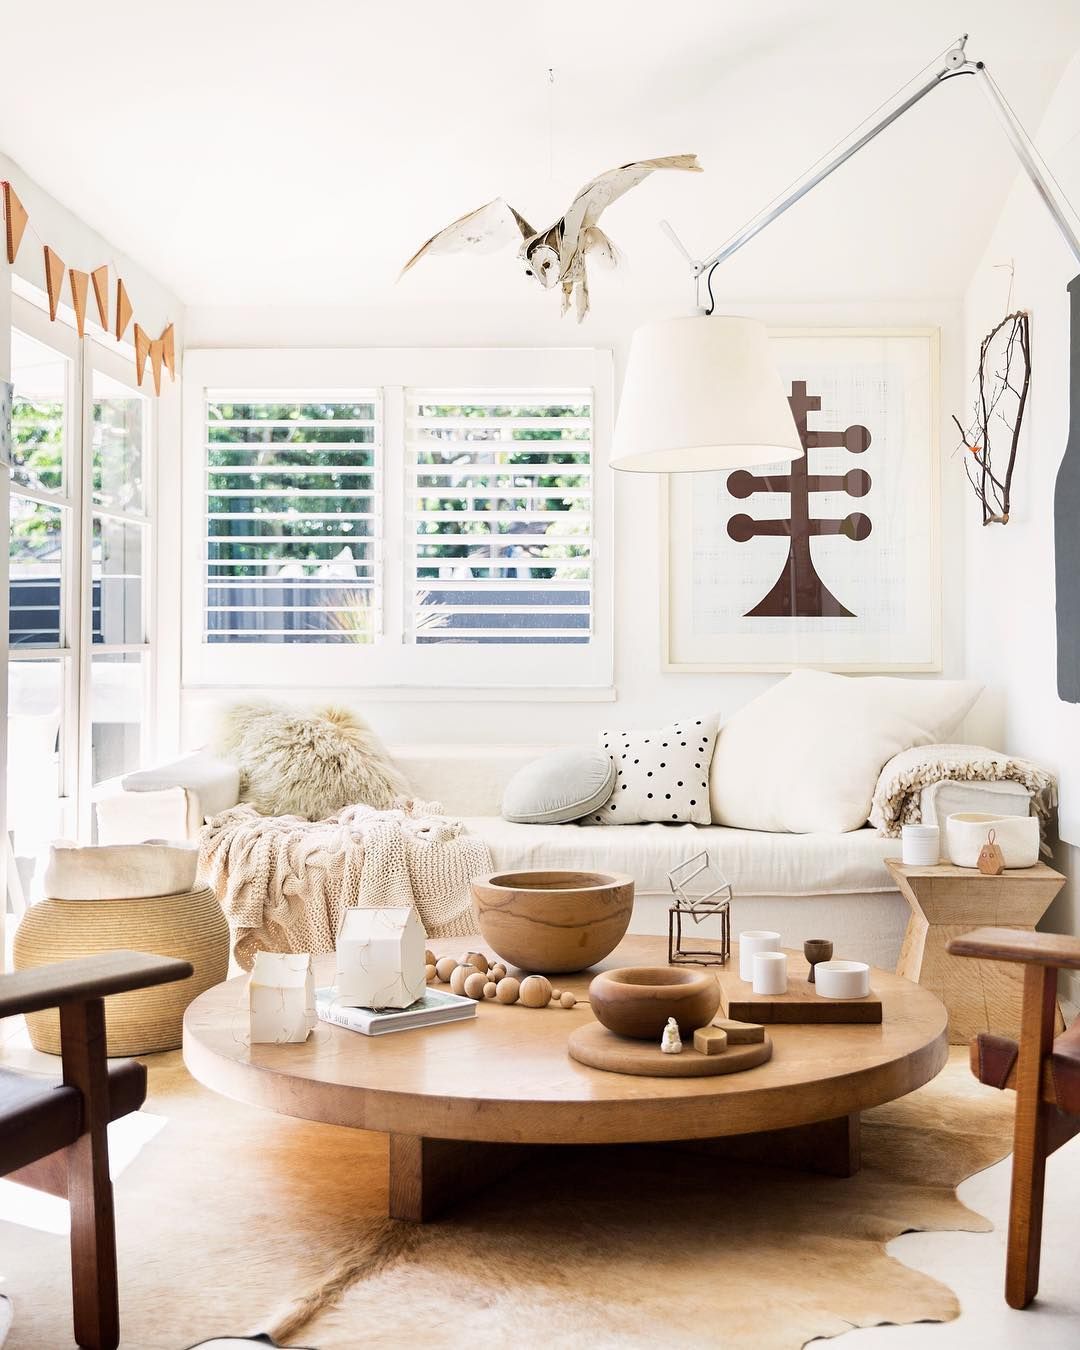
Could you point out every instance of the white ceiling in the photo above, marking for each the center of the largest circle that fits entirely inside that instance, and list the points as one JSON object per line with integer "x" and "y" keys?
{"x": 283, "y": 153}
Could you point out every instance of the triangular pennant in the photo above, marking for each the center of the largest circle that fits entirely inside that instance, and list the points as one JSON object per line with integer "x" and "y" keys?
{"x": 123, "y": 310}
{"x": 54, "y": 278}
{"x": 168, "y": 350}
{"x": 156, "y": 354}
{"x": 142, "y": 351}
{"x": 16, "y": 218}
{"x": 100, "y": 278}
{"x": 80, "y": 287}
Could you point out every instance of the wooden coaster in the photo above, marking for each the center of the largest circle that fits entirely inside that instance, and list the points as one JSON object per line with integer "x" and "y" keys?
{"x": 801, "y": 1003}
{"x": 594, "y": 1045}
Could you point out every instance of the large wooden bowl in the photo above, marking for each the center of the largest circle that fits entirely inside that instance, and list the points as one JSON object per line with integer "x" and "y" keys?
{"x": 553, "y": 923}
{"x": 637, "y": 1001}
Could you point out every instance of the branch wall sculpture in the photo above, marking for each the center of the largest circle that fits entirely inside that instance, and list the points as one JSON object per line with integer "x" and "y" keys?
{"x": 1003, "y": 381}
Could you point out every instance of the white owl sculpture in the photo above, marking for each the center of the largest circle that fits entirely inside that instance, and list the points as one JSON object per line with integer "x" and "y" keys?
{"x": 554, "y": 256}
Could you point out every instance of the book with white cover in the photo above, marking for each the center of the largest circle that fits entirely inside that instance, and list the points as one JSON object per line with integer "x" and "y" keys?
{"x": 429, "y": 1010}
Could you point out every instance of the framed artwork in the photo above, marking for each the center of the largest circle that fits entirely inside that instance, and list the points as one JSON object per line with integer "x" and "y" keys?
{"x": 832, "y": 561}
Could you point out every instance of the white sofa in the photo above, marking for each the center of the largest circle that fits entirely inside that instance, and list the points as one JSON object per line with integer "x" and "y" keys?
{"x": 803, "y": 885}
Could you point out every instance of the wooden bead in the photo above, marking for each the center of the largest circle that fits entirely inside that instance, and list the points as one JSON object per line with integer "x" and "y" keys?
{"x": 458, "y": 976}
{"x": 535, "y": 991}
{"x": 567, "y": 999}
{"x": 556, "y": 994}
{"x": 430, "y": 958}
{"x": 507, "y": 990}
{"x": 475, "y": 959}
{"x": 444, "y": 968}
{"x": 430, "y": 973}
{"x": 490, "y": 989}
{"x": 474, "y": 984}
{"x": 498, "y": 972}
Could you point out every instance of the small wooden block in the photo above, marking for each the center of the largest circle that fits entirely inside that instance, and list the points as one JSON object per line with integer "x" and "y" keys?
{"x": 740, "y": 1033}
{"x": 713, "y": 1040}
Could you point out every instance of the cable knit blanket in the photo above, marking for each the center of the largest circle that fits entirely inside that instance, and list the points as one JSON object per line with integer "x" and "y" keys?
{"x": 283, "y": 881}
{"x": 897, "y": 797}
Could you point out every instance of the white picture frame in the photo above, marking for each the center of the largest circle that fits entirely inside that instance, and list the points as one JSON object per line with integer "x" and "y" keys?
{"x": 883, "y": 570}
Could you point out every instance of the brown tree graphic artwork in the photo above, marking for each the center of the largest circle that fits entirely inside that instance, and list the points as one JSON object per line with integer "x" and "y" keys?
{"x": 799, "y": 592}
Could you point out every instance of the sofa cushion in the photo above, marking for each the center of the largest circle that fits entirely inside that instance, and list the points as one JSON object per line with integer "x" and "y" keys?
{"x": 562, "y": 785}
{"x": 754, "y": 862}
{"x": 660, "y": 775}
{"x": 806, "y": 755}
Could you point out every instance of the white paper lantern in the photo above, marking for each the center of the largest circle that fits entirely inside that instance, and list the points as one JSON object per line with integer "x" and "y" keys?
{"x": 380, "y": 957}
{"x": 281, "y": 998}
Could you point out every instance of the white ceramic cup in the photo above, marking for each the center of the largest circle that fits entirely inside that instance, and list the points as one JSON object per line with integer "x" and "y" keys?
{"x": 770, "y": 973}
{"x": 757, "y": 940}
{"x": 842, "y": 979}
{"x": 920, "y": 845}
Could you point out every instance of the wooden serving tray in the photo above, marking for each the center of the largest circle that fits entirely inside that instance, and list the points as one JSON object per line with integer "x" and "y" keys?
{"x": 599, "y": 1048}
{"x": 801, "y": 1003}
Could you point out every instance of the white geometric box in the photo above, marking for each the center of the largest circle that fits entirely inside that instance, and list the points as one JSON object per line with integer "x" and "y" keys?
{"x": 281, "y": 998}
{"x": 380, "y": 957}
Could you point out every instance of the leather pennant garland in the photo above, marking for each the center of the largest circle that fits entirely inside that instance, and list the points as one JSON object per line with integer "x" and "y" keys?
{"x": 15, "y": 217}
{"x": 142, "y": 351}
{"x": 100, "y": 279}
{"x": 123, "y": 311}
{"x": 80, "y": 288}
{"x": 54, "y": 278}
{"x": 156, "y": 356}
{"x": 168, "y": 349}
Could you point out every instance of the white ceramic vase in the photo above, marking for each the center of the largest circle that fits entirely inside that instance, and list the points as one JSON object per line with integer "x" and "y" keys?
{"x": 770, "y": 973}
{"x": 750, "y": 943}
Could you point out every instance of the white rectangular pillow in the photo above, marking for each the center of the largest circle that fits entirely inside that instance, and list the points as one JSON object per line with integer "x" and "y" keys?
{"x": 660, "y": 776}
{"x": 806, "y": 755}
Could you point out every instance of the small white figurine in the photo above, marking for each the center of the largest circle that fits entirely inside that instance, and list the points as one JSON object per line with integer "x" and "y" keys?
{"x": 671, "y": 1044}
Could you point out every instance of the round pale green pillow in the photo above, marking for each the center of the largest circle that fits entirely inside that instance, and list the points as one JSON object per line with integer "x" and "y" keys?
{"x": 561, "y": 786}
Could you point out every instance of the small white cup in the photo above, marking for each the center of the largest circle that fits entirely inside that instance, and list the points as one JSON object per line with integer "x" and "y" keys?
{"x": 757, "y": 940}
{"x": 770, "y": 973}
{"x": 842, "y": 979}
{"x": 920, "y": 845}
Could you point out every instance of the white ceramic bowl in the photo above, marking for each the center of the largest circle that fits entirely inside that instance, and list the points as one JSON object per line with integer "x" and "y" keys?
{"x": 1016, "y": 836}
{"x": 842, "y": 979}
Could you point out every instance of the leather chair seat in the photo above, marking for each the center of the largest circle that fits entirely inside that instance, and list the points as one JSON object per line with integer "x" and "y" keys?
{"x": 994, "y": 1058}
{"x": 39, "y": 1115}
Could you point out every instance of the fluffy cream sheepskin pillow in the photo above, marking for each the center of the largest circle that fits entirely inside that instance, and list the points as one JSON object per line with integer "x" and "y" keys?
{"x": 295, "y": 763}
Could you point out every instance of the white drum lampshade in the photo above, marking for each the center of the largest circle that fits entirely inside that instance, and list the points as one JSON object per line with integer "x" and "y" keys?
{"x": 702, "y": 393}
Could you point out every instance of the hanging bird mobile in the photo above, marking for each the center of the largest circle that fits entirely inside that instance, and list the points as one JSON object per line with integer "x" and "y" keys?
{"x": 555, "y": 256}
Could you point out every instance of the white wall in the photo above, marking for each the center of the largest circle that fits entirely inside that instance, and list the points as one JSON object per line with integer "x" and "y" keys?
{"x": 1010, "y": 635}
{"x": 644, "y": 693}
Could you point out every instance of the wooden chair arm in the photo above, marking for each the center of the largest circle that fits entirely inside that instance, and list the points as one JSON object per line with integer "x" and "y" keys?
{"x": 1011, "y": 944}
{"x": 87, "y": 977}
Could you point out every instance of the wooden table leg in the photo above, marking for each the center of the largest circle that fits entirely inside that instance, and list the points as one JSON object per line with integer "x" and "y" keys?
{"x": 830, "y": 1147}
{"x": 427, "y": 1175}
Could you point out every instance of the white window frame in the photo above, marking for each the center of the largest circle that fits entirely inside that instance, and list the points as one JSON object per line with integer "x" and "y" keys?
{"x": 392, "y": 663}
{"x": 76, "y": 650}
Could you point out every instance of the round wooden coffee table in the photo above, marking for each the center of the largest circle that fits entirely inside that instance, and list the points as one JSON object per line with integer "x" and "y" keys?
{"x": 447, "y": 1094}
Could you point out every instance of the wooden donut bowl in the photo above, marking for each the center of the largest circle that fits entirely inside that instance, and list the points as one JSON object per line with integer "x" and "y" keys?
{"x": 551, "y": 922}
{"x": 637, "y": 1001}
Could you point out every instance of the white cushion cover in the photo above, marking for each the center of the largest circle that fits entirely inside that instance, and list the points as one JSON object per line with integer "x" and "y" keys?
{"x": 119, "y": 871}
{"x": 660, "y": 775}
{"x": 755, "y": 863}
{"x": 215, "y": 781}
{"x": 805, "y": 756}
{"x": 560, "y": 786}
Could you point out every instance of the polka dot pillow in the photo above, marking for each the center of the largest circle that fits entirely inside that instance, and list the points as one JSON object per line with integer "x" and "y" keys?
{"x": 659, "y": 775}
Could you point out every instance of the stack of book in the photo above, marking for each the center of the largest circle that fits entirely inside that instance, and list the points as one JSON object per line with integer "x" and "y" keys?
{"x": 434, "y": 1007}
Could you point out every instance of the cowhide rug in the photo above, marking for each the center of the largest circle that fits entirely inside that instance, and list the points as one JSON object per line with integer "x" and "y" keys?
{"x": 233, "y": 1222}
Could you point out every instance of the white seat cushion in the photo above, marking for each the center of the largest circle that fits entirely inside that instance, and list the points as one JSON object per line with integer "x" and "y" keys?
{"x": 754, "y": 862}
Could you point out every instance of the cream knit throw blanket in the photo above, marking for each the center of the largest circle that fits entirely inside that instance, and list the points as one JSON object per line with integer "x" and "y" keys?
{"x": 897, "y": 797}
{"x": 283, "y": 881}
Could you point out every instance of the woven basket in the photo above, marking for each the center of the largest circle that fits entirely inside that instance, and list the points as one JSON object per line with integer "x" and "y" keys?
{"x": 190, "y": 926}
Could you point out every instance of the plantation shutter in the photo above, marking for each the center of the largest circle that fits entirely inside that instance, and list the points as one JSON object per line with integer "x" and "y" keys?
{"x": 293, "y": 502}
{"x": 499, "y": 516}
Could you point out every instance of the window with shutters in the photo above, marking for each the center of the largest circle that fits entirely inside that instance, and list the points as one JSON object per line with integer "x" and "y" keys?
{"x": 397, "y": 518}
{"x": 499, "y": 516}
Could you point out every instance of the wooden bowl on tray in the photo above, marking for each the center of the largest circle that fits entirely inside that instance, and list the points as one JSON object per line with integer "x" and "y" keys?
{"x": 636, "y": 1001}
{"x": 552, "y": 922}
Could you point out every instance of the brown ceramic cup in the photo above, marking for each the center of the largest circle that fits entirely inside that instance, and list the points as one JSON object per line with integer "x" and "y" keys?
{"x": 815, "y": 950}
{"x": 636, "y": 1001}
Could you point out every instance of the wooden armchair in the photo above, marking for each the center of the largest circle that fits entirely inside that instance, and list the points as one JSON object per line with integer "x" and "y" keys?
{"x": 1045, "y": 1074}
{"x": 53, "y": 1134}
